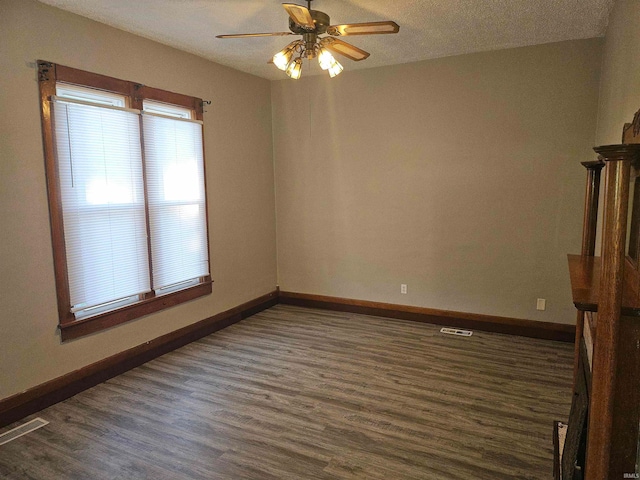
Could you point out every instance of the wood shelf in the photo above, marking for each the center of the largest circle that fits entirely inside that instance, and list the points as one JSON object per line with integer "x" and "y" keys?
{"x": 585, "y": 285}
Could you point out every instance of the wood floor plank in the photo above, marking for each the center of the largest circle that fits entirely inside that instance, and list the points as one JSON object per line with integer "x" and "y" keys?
{"x": 310, "y": 394}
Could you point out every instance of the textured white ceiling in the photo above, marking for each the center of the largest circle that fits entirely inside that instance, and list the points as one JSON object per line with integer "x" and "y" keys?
{"x": 428, "y": 28}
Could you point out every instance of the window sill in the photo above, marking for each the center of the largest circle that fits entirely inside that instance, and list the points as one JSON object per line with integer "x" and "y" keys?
{"x": 86, "y": 326}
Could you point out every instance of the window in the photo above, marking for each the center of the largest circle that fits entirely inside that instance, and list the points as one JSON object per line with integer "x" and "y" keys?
{"x": 126, "y": 182}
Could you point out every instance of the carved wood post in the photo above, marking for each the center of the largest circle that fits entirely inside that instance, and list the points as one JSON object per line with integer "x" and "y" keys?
{"x": 591, "y": 207}
{"x": 591, "y": 198}
{"x": 618, "y": 165}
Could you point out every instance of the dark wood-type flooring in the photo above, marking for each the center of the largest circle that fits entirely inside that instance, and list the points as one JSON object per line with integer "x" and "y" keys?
{"x": 297, "y": 393}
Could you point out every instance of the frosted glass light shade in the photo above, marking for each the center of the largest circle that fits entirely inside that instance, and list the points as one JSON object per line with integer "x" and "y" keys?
{"x": 335, "y": 69}
{"x": 295, "y": 69}
{"x": 282, "y": 58}
{"x": 325, "y": 59}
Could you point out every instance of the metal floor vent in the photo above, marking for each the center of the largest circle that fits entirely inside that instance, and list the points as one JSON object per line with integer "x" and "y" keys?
{"x": 28, "y": 427}
{"x": 456, "y": 331}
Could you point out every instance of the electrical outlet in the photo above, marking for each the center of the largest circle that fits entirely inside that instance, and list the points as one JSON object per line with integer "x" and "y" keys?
{"x": 403, "y": 288}
{"x": 541, "y": 304}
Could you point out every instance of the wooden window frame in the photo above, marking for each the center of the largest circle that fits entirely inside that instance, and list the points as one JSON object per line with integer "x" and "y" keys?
{"x": 49, "y": 75}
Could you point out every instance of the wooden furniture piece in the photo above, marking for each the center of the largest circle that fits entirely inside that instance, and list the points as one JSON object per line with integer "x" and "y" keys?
{"x": 602, "y": 435}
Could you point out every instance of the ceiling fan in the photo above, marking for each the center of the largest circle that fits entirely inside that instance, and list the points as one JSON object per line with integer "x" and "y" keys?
{"x": 311, "y": 24}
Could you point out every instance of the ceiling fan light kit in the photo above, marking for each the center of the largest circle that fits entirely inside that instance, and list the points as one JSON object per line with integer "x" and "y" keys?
{"x": 311, "y": 24}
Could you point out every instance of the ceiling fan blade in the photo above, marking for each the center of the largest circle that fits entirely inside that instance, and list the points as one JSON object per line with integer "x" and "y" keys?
{"x": 300, "y": 15}
{"x": 245, "y": 35}
{"x": 343, "y": 48}
{"x": 371, "y": 28}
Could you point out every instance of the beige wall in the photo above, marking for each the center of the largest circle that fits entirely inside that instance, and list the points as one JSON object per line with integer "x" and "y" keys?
{"x": 239, "y": 176}
{"x": 620, "y": 84}
{"x": 459, "y": 177}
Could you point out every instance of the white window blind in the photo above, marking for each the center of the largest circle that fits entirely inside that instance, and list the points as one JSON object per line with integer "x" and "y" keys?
{"x": 160, "y": 108}
{"x": 176, "y": 199}
{"x": 101, "y": 181}
{"x": 99, "y": 97}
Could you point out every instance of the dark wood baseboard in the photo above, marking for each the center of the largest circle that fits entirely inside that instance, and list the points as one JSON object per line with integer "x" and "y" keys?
{"x": 42, "y": 396}
{"x": 473, "y": 321}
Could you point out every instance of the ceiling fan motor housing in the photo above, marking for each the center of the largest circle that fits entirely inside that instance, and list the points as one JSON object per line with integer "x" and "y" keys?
{"x": 320, "y": 19}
